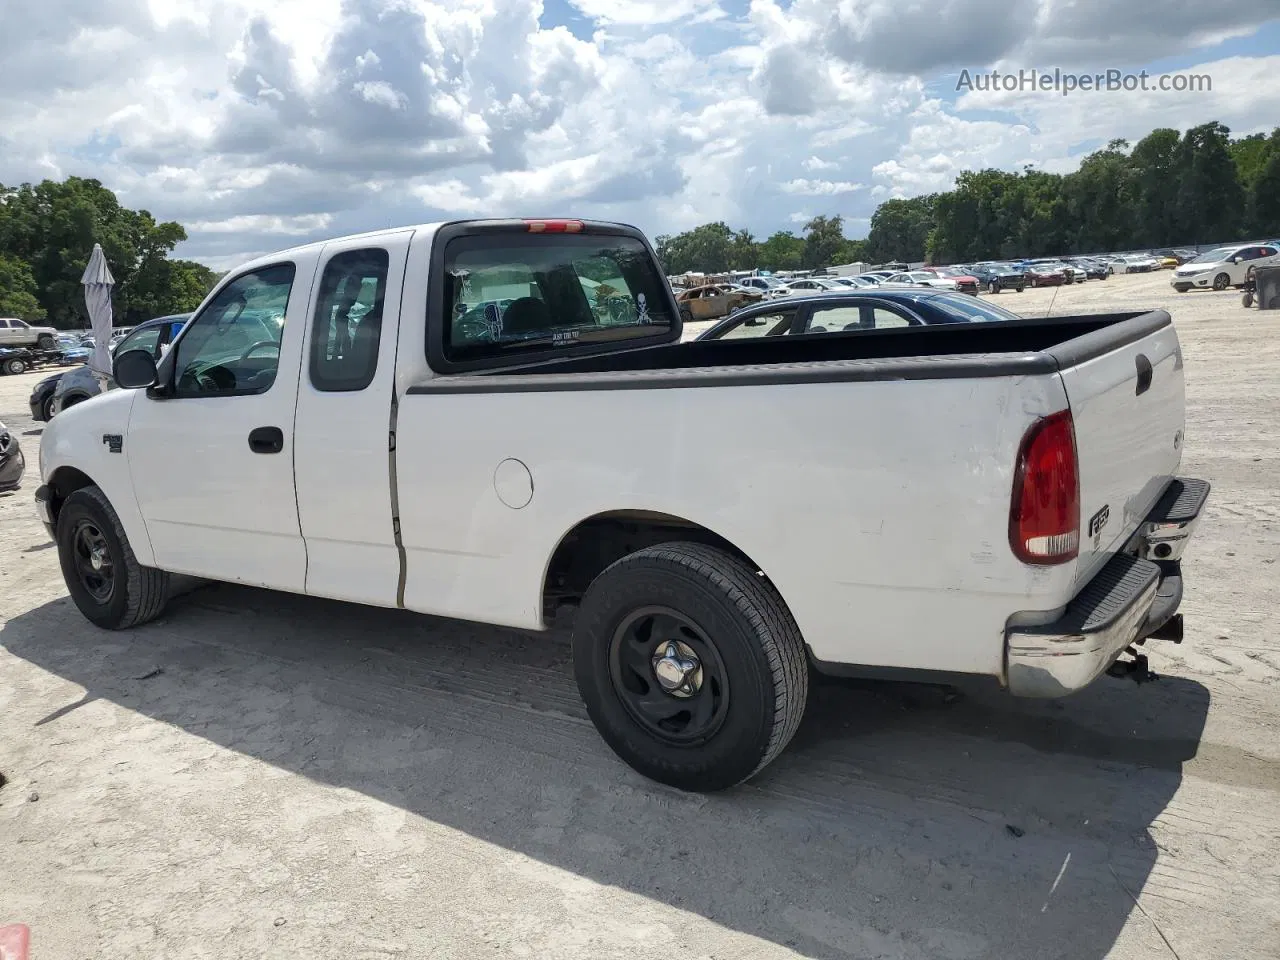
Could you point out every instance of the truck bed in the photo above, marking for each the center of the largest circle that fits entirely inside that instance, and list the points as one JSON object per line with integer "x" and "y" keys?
{"x": 1030, "y": 346}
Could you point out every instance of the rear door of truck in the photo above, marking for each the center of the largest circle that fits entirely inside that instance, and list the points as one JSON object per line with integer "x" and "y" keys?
{"x": 342, "y": 443}
{"x": 1128, "y": 405}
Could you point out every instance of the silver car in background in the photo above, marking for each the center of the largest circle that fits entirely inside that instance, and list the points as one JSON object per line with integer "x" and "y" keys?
{"x": 78, "y": 385}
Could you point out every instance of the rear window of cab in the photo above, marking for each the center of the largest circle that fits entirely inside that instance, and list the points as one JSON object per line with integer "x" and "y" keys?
{"x": 512, "y": 295}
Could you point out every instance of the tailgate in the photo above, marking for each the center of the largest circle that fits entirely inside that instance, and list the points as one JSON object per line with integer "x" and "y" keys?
{"x": 1128, "y": 408}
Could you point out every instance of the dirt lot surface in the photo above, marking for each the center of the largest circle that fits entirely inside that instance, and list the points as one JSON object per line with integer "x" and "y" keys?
{"x": 259, "y": 775}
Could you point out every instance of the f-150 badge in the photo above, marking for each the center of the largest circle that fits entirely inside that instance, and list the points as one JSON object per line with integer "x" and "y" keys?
{"x": 1097, "y": 522}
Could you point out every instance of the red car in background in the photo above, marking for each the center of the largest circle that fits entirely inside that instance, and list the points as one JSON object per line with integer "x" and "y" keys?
{"x": 1044, "y": 274}
{"x": 965, "y": 282}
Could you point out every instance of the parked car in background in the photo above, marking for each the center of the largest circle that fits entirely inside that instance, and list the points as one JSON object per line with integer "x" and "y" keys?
{"x": 78, "y": 385}
{"x": 856, "y": 283}
{"x": 1222, "y": 268}
{"x": 765, "y": 284}
{"x": 19, "y": 333}
{"x": 850, "y": 312}
{"x": 921, "y": 278}
{"x": 1140, "y": 263}
{"x": 878, "y": 276}
{"x": 1043, "y": 273}
{"x": 41, "y": 400}
{"x": 965, "y": 281}
{"x": 12, "y": 463}
{"x": 814, "y": 284}
{"x": 714, "y": 300}
{"x": 1092, "y": 269}
{"x": 995, "y": 277}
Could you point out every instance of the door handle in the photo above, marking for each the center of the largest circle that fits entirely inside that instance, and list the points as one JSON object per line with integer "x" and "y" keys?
{"x": 1144, "y": 374}
{"x": 266, "y": 440}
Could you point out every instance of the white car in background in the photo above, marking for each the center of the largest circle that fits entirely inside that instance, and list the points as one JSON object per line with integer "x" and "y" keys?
{"x": 769, "y": 286}
{"x": 815, "y": 285}
{"x": 922, "y": 278}
{"x": 1223, "y": 267}
{"x": 1140, "y": 263}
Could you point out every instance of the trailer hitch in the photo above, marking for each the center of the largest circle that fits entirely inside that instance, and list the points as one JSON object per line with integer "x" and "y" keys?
{"x": 1136, "y": 669}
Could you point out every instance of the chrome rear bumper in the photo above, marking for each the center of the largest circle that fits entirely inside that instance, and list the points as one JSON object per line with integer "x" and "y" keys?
{"x": 1134, "y": 595}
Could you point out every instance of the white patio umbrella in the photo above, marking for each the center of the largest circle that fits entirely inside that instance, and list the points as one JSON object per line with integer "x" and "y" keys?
{"x": 98, "y": 282}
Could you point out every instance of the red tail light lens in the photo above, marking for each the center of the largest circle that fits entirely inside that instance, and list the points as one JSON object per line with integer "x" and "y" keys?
{"x": 1044, "y": 524}
{"x": 555, "y": 226}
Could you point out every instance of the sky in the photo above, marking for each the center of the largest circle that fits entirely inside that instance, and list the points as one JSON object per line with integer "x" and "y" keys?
{"x": 262, "y": 124}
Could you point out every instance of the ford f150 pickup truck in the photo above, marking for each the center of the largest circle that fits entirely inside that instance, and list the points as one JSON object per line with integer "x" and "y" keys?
{"x": 489, "y": 420}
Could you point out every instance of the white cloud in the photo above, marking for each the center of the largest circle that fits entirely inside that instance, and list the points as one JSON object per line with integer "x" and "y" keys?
{"x": 253, "y": 121}
{"x": 819, "y": 188}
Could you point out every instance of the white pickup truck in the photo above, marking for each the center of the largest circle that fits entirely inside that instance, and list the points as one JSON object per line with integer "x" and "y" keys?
{"x": 489, "y": 419}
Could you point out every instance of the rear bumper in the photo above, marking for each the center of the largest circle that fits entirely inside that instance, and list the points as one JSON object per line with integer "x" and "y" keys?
{"x": 1132, "y": 597}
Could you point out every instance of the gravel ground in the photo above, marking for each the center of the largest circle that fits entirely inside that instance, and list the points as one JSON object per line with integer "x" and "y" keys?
{"x": 258, "y": 775}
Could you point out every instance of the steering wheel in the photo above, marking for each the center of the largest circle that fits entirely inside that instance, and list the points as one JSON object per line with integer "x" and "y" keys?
{"x": 261, "y": 343}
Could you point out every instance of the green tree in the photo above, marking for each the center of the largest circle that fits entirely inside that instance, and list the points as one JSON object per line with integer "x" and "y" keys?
{"x": 782, "y": 251}
{"x": 900, "y": 228}
{"x": 18, "y": 290}
{"x": 707, "y": 249}
{"x": 1210, "y": 203}
{"x": 824, "y": 241}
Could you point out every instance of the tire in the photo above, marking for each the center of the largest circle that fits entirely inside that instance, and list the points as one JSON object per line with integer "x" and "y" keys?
{"x": 14, "y": 365}
{"x": 1247, "y": 299}
{"x": 993, "y": 287}
{"x": 71, "y": 401}
{"x": 1019, "y": 289}
{"x": 1221, "y": 281}
{"x": 686, "y": 314}
{"x": 1181, "y": 287}
{"x": 755, "y": 672}
{"x": 135, "y": 594}
{"x": 47, "y": 408}
{"x": 46, "y": 342}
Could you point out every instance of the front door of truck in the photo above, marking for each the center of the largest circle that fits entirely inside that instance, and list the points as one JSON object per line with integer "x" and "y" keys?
{"x": 342, "y": 430}
{"x": 211, "y": 449}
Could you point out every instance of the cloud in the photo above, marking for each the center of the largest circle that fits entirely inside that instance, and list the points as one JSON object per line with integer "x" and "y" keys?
{"x": 262, "y": 123}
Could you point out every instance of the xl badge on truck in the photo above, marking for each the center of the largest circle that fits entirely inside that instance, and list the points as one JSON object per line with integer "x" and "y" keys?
{"x": 1097, "y": 522}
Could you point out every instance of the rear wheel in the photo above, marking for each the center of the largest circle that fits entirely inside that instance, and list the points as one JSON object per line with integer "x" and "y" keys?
{"x": 105, "y": 580}
{"x": 691, "y": 667}
{"x": 46, "y": 342}
{"x": 15, "y": 365}
{"x": 1221, "y": 281}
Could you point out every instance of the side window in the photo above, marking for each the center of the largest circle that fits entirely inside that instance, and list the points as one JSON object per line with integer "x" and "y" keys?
{"x": 21, "y": 325}
{"x": 233, "y": 346}
{"x": 4, "y": 324}
{"x": 829, "y": 319}
{"x": 760, "y": 325}
{"x": 883, "y": 318}
{"x": 140, "y": 340}
{"x": 348, "y": 321}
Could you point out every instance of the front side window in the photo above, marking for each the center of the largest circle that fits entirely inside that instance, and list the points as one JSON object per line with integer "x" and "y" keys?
{"x": 140, "y": 340}
{"x": 348, "y": 322}
{"x": 233, "y": 346}
{"x": 513, "y": 294}
{"x": 21, "y": 325}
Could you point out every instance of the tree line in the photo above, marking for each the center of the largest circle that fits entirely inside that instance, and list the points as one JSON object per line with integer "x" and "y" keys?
{"x": 47, "y": 232}
{"x": 1166, "y": 190}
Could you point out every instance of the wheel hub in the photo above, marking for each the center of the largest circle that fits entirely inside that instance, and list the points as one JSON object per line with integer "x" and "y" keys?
{"x": 97, "y": 557}
{"x": 677, "y": 669}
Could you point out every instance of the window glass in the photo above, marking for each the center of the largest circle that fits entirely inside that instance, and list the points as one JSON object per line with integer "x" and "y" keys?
{"x": 233, "y": 346}
{"x": 140, "y": 340}
{"x": 348, "y": 321}
{"x": 759, "y": 325}
{"x": 4, "y": 324}
{"x": 829, "y": 319}
{"x": 513, "y": 294}
{"x": 21, "y": 325}
{"x": 882, "y": 318}
{"x": 966, "y": 309}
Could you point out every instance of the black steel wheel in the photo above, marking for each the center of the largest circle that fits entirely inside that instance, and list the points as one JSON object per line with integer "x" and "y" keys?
{"x": 668, "y": 675}
{"x": 94, "y": 566}
{"x": 105, "y": 580}
{"x": 690, "y": 665}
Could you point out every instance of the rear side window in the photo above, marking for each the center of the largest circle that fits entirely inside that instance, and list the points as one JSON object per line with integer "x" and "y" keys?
{"x": 348, "y": 321}
{"x": 508, "y": 295}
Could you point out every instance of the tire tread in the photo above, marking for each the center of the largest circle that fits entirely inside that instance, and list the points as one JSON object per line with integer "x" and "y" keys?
{"x": 147, "y": 588}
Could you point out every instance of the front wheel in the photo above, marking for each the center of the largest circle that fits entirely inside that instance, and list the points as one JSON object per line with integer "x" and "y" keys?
{"x": 993, "y": 286}
{"x": 1221, "y": 281}
{"x": 105, "y": 580}
{"x": 1181, "y": 287}
{"x": 46, "y": 342}
{"x": 47, "y": 409}
{"x": 691, "y": 666}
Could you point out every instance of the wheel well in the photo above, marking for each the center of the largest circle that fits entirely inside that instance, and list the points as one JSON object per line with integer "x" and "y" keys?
{"x": 64, "y": 482}
{"x": 597, "y": 542}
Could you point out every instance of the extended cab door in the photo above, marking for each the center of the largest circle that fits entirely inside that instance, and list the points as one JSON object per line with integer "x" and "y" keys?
{"x": 211, "y": 448}
{"x": 342, "y": 443}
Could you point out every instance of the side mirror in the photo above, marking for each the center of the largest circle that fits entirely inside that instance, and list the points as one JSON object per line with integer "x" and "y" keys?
{"x": 134, "y": 369}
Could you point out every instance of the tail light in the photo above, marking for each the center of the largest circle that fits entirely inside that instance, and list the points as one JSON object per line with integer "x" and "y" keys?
{"x": 554, "y": 226}
{"x": 1044, "y": 523}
